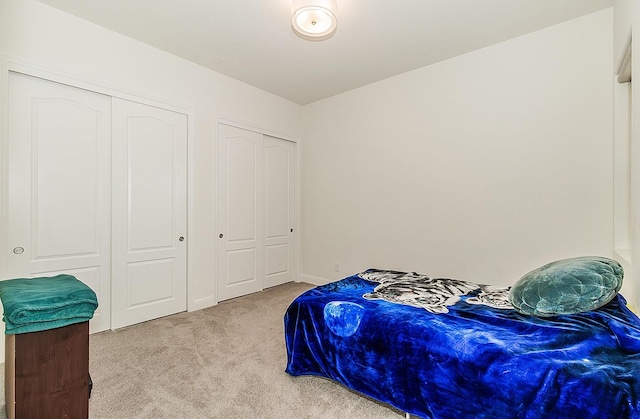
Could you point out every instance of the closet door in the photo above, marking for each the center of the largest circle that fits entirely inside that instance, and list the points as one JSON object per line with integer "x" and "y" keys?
{"x": 56, "y": 201}
{"x": 280, "y": 209}
{"x": 240, "y": 198}
{"x": 149, "y": 186}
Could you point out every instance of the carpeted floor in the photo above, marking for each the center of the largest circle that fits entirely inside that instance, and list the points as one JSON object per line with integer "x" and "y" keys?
{"x": 226, "y": 361}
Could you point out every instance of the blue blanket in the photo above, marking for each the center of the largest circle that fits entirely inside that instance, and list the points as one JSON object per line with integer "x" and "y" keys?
{"x": 469, "y": 360}
{"x": 36, "y": 304}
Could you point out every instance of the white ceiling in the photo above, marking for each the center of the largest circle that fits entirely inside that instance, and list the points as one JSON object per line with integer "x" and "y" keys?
{"x": 252, "y": 40}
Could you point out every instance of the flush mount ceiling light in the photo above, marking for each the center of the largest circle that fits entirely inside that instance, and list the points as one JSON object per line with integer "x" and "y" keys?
{"x": 314, "y": 20}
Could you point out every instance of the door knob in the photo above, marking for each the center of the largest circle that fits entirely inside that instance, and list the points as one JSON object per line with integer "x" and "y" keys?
{"x": 18, "y": 250}
{"x": 181, "y": 238}
{"x": 291, "y": 230}
{"x": 221, "y": 235}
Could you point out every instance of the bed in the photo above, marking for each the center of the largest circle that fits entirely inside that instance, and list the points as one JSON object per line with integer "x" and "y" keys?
{"x": 445, "y": 348}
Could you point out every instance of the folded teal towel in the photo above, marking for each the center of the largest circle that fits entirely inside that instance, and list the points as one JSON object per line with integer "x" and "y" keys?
{"x": 36, "y": 304}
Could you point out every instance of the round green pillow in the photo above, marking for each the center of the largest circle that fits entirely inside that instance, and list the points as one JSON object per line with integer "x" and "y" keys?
{"x": 567, "y": 286}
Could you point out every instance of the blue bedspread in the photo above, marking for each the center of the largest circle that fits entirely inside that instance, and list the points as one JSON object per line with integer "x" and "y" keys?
{"x": 473, "y": 361}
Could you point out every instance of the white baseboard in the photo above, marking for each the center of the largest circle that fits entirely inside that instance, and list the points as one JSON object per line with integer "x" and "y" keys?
{"x": 314, "y": 280}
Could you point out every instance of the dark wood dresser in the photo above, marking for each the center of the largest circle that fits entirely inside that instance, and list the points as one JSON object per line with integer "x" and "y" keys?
{"x": 47, "y": 373}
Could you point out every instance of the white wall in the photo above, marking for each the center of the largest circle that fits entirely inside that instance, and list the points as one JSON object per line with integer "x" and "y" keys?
{"x": 622, "y": 15}
{"x": 629, "y": 20}
{"x": 46, "y": 37}
{"x": 626, "y": 248}
{"x": 481, "y": 167}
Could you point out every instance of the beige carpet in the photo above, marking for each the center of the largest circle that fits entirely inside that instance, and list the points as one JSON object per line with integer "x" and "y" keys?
{"x": 226, "y": 361}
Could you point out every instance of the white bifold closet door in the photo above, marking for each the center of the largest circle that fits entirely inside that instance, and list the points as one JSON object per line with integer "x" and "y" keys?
{"x": 95, "y": 187}
{"x": 255, "y": 217}
{"x": 57, "y": 208}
